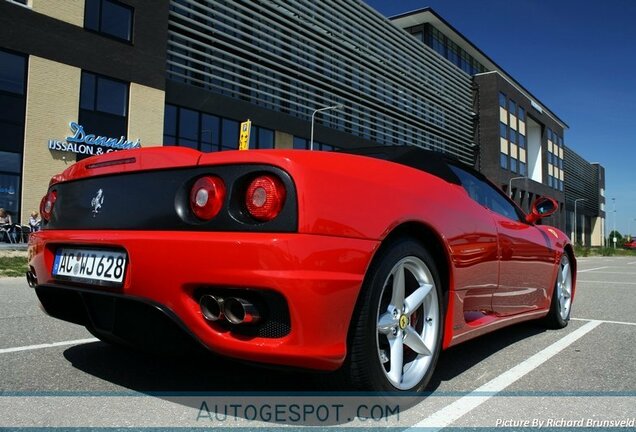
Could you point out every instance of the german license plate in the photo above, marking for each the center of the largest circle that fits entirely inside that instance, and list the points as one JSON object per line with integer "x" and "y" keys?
{"x": 90, "y": 265}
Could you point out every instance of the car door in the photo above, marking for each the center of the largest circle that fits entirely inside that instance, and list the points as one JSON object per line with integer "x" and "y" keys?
{"x": 525, "y": 254}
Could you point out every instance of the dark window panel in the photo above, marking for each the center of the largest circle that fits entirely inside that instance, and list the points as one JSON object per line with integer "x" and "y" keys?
{"x": 10, "y": 162}
{"x": 188, "y": 125}
{"x": 265, "y": 138}
{"x": 503, "y": 130}
{"x": 502, "y": 100}
{"x": 229, "y": 138}
{"x": 116, "y": 20}
{"x": 170, "y": 120}
{"x": 512, "y": 107}
{"x": 210, "y": 131}
{"x": 12, "y": 108}
{"x": 12, "y": 72}
{"x": 91, "y": 14}
{"x": 12, "y": 137}
{"x": 87, "y": 91}
{"x": 300, "y": 143}
{"x": 503, "y": 160}
{"x": 169, "y": 140}
{"x": 112, "y": 96}
{"x": 10, "y": 194}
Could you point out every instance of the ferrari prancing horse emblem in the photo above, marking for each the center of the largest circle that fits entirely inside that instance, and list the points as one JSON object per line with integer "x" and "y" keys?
{"x": 97, "y": 202}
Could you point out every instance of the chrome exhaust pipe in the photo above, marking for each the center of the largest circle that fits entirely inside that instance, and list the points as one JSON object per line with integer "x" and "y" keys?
{"x": 211, "y": 307}
{"x": 31, "y": 279}
{"x": 240, "y": 311}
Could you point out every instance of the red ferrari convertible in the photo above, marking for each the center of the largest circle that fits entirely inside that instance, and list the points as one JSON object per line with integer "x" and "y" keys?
{"x": 368, "y": 263}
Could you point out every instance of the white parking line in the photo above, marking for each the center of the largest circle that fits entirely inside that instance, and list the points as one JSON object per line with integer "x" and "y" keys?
{"x": 606, "y": 282}
{"x": 592, "y": 269}
{"x": 605, "y": 321}
{"x": 50, "y": 345}
{"x": 450, "y": 413}
{"x": 630, "y": 263}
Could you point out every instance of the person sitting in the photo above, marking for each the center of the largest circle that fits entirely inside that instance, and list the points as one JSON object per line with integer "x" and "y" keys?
{"x": 35, "y": 222}
{"x": 6, "y": 226}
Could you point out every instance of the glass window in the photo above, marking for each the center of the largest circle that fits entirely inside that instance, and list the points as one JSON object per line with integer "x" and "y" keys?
{"x": 301, "y": 143}
{"x": 189, "y": 128}
{"x": 513, "y": 164}
{"x": 486, "y": 194}
{"x": 12, "y": 107}
{"x": 10, "y": 162}
{"x": 210, "y": 131}
{"x": 503, "y": 160}
{"x": 87, "y": 91}
{"x": 170, "y": 120}
{"x": 12, "y": 72}
{"x": 98, "y": 93}
{"x": 522, "y": 141}
{"x": 265, "y": 138}
{"x": 230, "y": 134}
{"x": 502, "y": 100}
{"x": 523, "y": 168}
{"x": 513, "y": 136}
{"x": 109, "y": 17}
{"x": 503, "y": 130}
{"x": 522, "y": 114}
{"x": 12, "y": 137}
{"x": 10, "y": 194}
{"x": 512, "y": 107}
{"x": 112, "y": 96}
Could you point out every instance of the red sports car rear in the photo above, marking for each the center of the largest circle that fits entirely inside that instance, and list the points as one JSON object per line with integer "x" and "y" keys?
{"x": 316, "y": 260}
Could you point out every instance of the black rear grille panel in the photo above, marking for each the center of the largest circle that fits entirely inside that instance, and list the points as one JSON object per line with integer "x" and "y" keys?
{"x": 160, "y": 201}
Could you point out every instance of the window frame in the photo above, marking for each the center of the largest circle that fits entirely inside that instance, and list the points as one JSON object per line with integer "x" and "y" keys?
{"x": 101, "y": 32}
{"x": 494, "y": 190}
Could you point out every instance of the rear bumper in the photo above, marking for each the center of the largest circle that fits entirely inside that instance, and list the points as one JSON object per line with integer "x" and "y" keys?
{"x": 319, "y": 278}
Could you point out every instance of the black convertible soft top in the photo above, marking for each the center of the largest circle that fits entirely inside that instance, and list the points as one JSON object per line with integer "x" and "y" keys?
{"x": 432, "y": 162}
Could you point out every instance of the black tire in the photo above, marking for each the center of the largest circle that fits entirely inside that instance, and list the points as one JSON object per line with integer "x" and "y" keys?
{"x": 561, "y": 302}
{"x": 369, "y": 336}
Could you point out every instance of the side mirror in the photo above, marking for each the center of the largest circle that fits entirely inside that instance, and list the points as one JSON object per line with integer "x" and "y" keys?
{"x": 542, "y": 207}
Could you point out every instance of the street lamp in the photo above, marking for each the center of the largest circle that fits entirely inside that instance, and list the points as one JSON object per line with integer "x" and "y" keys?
{"x": 576, "y": 201}
{"x": 313, "y": 118}
{"x": 510, "y": 184}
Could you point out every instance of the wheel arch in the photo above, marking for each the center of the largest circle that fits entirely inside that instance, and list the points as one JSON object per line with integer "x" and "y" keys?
{"x": 430, "y": 239}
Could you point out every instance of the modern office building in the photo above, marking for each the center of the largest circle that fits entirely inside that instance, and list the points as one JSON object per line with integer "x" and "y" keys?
{"x": 80, "y": 77}
{"x": 585, "y": 200}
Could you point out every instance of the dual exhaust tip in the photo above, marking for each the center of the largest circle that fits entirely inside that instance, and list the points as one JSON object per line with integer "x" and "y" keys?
{"x": 233, "y": 309}
{"x": 31, "y": 279}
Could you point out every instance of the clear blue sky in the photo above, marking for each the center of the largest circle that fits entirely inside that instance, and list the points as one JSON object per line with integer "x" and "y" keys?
{"x": 579, "y": 58}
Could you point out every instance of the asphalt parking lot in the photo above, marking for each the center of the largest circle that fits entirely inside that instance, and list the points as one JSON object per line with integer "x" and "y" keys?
{"x": 54, "y": 374}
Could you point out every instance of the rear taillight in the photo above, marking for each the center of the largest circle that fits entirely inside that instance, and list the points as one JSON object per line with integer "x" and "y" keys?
{"x": 207, "y": 197}
{"x": 265, "y": 197}
{"x": 46, "y": 205}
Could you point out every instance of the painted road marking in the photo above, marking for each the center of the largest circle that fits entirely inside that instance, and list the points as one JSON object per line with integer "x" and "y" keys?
{"x": 606, "y": 282}
{"x": 592, "y": 269}
{"x": 50, "y": 345}
{"x": 462, "y": 406}
{"x": 604, "y": 321}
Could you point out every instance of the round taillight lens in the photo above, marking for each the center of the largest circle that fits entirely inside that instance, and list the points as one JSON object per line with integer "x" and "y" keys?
{"x": 207, "y": 196}
{"x": 265, "y": 197}
{"x": 46, "y": 205}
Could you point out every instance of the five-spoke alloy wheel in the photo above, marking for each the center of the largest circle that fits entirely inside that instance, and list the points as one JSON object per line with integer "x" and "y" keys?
{"x": 561, "y": 305}
{"x": 397, "y": 334}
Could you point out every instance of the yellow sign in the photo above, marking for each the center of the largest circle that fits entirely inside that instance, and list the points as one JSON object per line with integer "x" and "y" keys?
{"x": 244, "y": 135}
